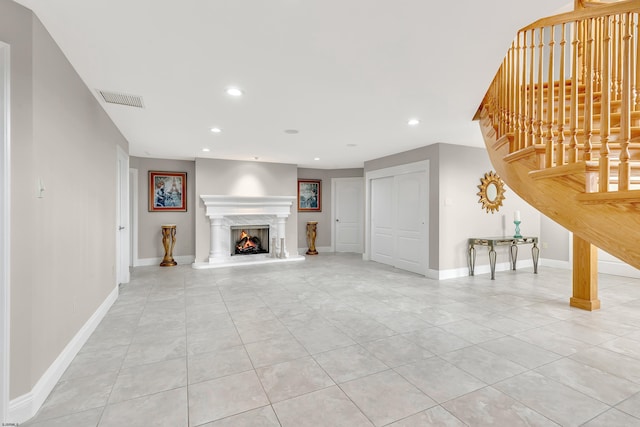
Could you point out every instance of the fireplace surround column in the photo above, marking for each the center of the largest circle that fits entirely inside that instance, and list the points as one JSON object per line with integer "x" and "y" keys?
{"x": 216, "y": 248}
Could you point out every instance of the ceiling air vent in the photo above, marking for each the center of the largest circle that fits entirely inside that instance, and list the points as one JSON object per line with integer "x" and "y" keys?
{"x": 121, "y": 99}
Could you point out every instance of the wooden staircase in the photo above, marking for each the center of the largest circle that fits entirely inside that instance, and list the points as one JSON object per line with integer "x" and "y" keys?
{"x": 561, "y": 122}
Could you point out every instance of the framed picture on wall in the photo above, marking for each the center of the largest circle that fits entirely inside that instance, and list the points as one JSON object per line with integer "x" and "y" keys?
{"x": 167, "y": 191}
{"x": 309, "y": 195}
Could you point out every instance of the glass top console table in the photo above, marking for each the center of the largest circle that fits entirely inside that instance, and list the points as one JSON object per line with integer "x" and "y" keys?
{"x": 492, "y": 242}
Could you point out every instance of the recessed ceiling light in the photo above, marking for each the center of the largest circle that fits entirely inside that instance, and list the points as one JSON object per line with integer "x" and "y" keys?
{"x": 316, "y": 158}
{"x": 234, "y": 91}
{"x": 291, "y": 131}
{"x": 413, "y": 122}
{"x": 206, "y": 150}
{"x": 216, "y": 130}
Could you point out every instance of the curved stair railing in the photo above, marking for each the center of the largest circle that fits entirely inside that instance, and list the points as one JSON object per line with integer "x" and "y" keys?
{"x": 591, "y": 110}
{"x": 561, "y": 121}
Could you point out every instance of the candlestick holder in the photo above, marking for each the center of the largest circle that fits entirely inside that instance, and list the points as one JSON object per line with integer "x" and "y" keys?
{"x": 517, "y": 235}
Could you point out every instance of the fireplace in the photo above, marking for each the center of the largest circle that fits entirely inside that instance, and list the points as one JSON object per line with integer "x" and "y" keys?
{"x": 264, "y": 217}
{"x": 249, "y": 240}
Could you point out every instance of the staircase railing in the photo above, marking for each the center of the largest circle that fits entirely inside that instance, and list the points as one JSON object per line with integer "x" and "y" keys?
{"x": 569, "y": 88}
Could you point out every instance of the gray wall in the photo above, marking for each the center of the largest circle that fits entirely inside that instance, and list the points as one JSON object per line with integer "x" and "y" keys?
{"x": 323, "y": 237}
{"x": 431, "y": 153}
{"x": 149, "y": 223}
{"x": 554, "y": 240}
{"x": 238, "y": 178}
{"x": 462, "y": 216}
{"x": 63, "y": 245}
{"x": 454, "y": 211}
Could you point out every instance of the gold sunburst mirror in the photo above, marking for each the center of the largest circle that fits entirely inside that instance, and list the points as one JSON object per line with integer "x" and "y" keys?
{"x": 491, "y": 192}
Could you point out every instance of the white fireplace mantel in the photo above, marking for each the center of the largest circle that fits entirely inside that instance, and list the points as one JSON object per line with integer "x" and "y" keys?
{"x": 227, "y": 211}
{"x": 221, "y": 206}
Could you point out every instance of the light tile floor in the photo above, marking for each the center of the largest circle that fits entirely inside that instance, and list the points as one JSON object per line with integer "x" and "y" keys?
{"x": 335, "y": 341}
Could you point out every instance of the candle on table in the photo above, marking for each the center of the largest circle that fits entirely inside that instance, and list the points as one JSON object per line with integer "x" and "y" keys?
{"x": 516, "y": 216}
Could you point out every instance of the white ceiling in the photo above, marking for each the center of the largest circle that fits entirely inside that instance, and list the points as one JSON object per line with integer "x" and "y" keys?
{"x": 339, "y": 71}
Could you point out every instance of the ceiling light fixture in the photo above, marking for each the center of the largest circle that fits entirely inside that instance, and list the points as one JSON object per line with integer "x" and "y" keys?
{"x": 413, "y": 122}
{"x": 206, "y": 150}
{"x": 316, "y": 158}
{"x": 234, "y": 91}
{"x": 216, "y": 130}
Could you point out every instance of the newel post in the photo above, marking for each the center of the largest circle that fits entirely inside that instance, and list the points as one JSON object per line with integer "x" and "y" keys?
{"x": 585, "y": 275}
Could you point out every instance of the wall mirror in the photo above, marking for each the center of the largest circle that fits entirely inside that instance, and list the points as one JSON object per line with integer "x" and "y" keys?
{"x": 491, "y": 192}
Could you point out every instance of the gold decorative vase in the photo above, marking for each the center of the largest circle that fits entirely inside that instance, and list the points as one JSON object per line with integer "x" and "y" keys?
{"x": 311, "y": 237}
{"x": 168, "y": 241}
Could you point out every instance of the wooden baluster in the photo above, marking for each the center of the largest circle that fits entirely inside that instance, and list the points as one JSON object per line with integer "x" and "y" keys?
{"x": 513, "y": 119}
{"x": 597, "y": 53}
{"x": 505, "y": 96}
{"x": 498, "y": 118}
{"x": 562, "y": 100}
{"x": 548, "y": 157}
{"x": 501, "y": 126}
{"x": 618, "y": 88}
{"x": 508, "y": 94}
{"x": 605, "y": 109}
{"x": 634, "y": 62}
{"x": 539, "y": 101}
{"x": 517, "y": 93}
{"x": 573, "y": 109}
{"x": 637, "y": 67}
{"x": 624, "y": 170}
{"x": 583, "y": 51}
{"x": 588, "y": 96}
{"x": 532, "y": 91}
{"x": 524, "y": 89}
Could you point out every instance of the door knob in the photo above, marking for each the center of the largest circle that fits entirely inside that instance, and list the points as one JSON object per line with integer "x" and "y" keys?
{"x": 120, "y": 228}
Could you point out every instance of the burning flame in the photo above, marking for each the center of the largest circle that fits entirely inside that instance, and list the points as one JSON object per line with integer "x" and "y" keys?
{"x": 247, "y": 241}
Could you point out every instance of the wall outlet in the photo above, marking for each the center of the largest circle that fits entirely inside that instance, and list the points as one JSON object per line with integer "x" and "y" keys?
{"x": 545, "y": 245}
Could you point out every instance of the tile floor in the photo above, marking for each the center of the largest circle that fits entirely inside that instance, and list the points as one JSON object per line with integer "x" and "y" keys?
{"x": 335, "y": 341}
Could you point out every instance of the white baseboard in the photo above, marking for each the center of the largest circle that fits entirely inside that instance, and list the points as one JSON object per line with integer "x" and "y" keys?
{"x": 26, "y": 406}
{"x": 618, "y": 269}
{"x": 321, "y": 249}
{"x": 145, "y": 262}
{"x": 478, "y": 269}
{"x": 554, "y": 263}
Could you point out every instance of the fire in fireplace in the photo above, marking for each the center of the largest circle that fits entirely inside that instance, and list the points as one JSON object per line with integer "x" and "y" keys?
{"x": 249, "y": 241}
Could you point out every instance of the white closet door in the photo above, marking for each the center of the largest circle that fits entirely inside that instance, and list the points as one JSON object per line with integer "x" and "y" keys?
{"x": 348, "y": 221}
{"x": 410, "y": 231}
{"x": 382, "y": 221}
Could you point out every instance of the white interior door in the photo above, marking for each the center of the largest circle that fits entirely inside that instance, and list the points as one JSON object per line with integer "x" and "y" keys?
{"x": 5, "y": 197}
{"x": 382, "y": 226}
{"x": 122, "y": 233}
{"x": 410, "y": 224}
{"x": 348, "y": 203}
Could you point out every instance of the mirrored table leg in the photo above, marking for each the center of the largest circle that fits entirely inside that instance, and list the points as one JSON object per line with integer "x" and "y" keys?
{"x": 513, "y": 255}
{"x": 492, "y": 261}
{"x": 471, "y": 259}
{"x": 535, "y": 254}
